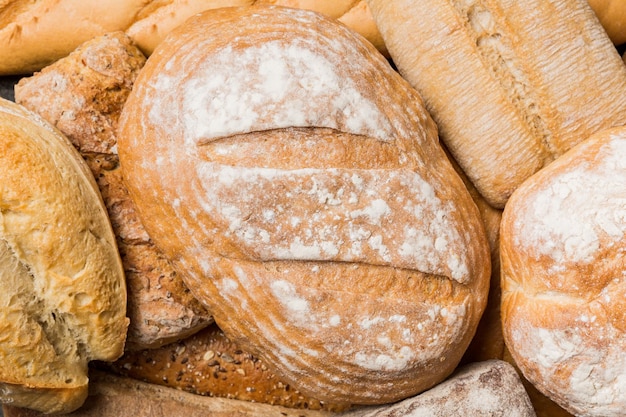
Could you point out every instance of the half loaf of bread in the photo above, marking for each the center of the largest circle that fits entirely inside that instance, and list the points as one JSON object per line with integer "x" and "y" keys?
{"x": 63, "y": 299}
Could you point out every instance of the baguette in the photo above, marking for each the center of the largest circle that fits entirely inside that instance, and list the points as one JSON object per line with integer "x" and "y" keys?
{"x": 34, "y": 34}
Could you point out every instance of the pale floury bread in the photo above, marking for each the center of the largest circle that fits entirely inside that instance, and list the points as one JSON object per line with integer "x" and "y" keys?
{"x": 298, "y": 181}
{"x": 63, "y": 299}
{"x": 512, "y": 84}
{"x": 563, "y": 251}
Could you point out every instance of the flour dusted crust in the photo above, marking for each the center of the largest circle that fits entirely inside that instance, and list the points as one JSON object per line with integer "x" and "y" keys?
{"x": 307, "y": 199}
{"x": 563, "y": 252}
{"x": 512, "y": 85}
{"x": 63, "y": 299}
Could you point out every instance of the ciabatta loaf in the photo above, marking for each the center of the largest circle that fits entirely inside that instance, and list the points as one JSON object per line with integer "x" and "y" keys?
{"x": 563, "y": 251}
{"x": 306, "y": 197}
{"x": 512, "y": 85}
{"x": 63, "y": 298}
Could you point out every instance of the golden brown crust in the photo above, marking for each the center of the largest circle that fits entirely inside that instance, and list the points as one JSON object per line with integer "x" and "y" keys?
{"x": 510, "y": 90}
{"x": 274, "y": 199}
{"x": 563, "y": 267}
{"x": 37, "y": 33}
{"x": 82, "y": 95}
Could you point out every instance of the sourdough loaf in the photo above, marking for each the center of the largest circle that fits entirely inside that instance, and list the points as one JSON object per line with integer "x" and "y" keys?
{"x": 308, "y": 201}
{"x": 512, "y": 85}
{"x": 63, "y": 299}
{"x": 34, "y": 34}
{"x": 563, "y": 246}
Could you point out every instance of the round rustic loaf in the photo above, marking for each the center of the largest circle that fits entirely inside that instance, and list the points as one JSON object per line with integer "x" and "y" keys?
{"x": 297, "y": 180}
{"x": 563, "y": 252}
{"x": 63, "y": 298}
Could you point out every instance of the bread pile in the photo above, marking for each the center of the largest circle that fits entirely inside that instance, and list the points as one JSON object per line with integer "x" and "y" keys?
{"x": 286, "y": 222}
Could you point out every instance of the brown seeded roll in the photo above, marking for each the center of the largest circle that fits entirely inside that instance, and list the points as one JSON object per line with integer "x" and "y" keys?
{"x": 563, "y": 252}
{"x": 82, "y": 95}
{"x": 512, "y": 85}
{"x": 63, "y": 298}
{"x": 308, "y": 201}
{"x": 209, "y": 364}
{"x": 111, "y": 395}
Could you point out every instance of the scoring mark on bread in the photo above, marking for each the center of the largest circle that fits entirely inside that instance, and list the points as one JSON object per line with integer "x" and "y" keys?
{"x": 486, "y": 26}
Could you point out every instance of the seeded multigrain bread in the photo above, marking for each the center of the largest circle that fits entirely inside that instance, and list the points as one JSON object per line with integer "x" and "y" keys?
{"x": 308, "y": 201}
{"x": 63, "y": 298}
{"x": 563, "y": 251}
{"x": 512, "y": 85}
{"x": 82, "y": 95}
{"x": 209, "y": 364}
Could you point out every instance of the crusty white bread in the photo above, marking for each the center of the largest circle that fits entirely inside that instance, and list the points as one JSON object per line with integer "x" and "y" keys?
{"x": 308, "y": 201}
{"x": 512, "y": 85}
{"x": 82, "y": 95}
{"x": 63, "y": 299}
{"x": 563, "y": 252}
{"x": 36, "y": 33}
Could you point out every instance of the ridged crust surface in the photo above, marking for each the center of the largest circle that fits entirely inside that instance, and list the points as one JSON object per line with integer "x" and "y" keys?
{"x": 63, "y": 301}
{"x": 307, "y": 197}
{"x": 512, "y": 85}
{"x": 563, "y": 251}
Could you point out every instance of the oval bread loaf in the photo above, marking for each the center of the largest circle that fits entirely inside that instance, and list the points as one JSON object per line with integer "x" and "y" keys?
{"x": 563, "y": 251}
{"x": 63, "y": 299}
{"x": 512, "y": 85}
{"x": 306, "y": 197}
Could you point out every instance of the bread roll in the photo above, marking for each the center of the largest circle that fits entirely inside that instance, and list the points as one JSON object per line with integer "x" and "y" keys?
{"x": 34, "y": 34}
{"x": 563, "y": 258}
{"x": 308, "y": 201}
{"x": 512, "y": 85}
{"x": 63, "y": 299}
{"x": 82, "y": 95}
